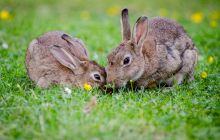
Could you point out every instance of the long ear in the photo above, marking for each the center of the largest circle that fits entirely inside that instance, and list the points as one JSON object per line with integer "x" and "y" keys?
{"x": 77, "y": 44}
{"x": 65, "y": 58}
{"x": 140, "y": 30}
{"x": 125, "y": 25}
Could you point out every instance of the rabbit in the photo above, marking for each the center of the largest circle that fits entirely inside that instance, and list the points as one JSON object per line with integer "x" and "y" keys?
{"x": 159, "y": 50}
{"x": 56, "y": 58}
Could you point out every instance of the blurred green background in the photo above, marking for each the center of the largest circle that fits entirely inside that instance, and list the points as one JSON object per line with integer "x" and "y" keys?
{"x": 189, "y": 111}
{"x": 30, "y": 19}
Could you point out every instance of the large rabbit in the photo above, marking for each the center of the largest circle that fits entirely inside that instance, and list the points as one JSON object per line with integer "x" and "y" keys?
{"x": 158, "y": 50}
{"x": 56, "y": 58}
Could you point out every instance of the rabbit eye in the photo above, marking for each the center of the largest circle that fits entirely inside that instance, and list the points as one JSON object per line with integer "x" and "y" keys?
{"x": 97, "y": 77}
{"x": 126, "y": 60}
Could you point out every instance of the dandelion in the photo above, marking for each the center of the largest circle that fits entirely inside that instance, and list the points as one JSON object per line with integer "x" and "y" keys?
{"x": 211, "y": 59}
{"x": 215, "y": 15}
{"x": 197, "y": 17}
{"x": 203, "y": 74}
{"x": 213, "y": 24}
{"x": 85, "y": 15}
{"x": 87, "y": 87}
{"x": 5, "y": 15}
{"x": 113, "y": 10}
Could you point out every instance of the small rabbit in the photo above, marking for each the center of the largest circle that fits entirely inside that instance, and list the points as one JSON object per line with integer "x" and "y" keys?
{"x": 56, "y": 58}
{"x": 158, "y": 50}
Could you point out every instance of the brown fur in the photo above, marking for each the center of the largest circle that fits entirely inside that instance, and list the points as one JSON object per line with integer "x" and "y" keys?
{"x": 45, "y": 70}
{"x": 160, "y": 50}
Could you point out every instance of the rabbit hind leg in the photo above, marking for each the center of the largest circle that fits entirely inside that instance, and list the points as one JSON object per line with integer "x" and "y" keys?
{"x": 190, "y": 57}
{"x": 189, "y": 60}
{"x": 43, "y": 82}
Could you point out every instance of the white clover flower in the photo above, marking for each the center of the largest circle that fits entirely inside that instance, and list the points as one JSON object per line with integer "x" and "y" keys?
{"x": 4, "y": 45}
{"x": 67, "y": 92}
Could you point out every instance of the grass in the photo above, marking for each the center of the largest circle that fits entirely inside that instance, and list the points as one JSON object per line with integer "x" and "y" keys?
{"x": 189, "y": 111}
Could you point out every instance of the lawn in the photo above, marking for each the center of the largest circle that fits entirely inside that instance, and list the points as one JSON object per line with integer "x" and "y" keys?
{"x": 188, "y": 111}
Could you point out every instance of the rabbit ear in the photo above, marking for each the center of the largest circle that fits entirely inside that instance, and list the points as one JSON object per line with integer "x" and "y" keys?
{"x": 125, "y": 25}
{"x": 65, "y": 58}
{"x": 140, "y": 30}
{"x": 78, "y": 44}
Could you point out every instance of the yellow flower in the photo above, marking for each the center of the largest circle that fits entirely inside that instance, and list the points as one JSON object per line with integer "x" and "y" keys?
{"x": 203, "y": 74}
{"x": 213, "y": 24}
{"x": 211, "y": 59}
{"x": 215, "y": 15}
{"x": 113, "y": 10}
{"x": 5, "y": 15}
{"x": 85, "y": 15}
{"x": 197, "y": 17}
{"x": 87, "y": 87}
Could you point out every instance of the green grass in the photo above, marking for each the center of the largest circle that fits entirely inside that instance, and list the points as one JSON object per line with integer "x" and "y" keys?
{"x": 189, "y": 111}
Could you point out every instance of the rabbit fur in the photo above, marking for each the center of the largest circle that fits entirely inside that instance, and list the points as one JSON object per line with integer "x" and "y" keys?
{"x": 57, "y": 58}
{"x": 158, "y": 50}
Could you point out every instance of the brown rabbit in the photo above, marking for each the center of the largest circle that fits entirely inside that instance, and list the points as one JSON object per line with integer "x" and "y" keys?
{"x": 158, "y": 50}
{"x": 56, "y": 58}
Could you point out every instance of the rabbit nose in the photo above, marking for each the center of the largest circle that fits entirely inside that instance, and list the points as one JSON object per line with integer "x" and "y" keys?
{"x": 110, "y": 81}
